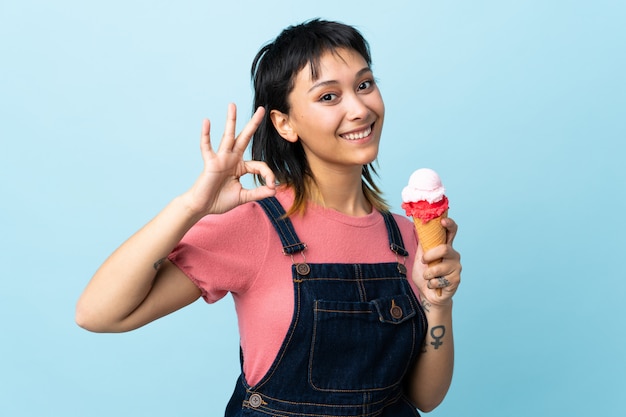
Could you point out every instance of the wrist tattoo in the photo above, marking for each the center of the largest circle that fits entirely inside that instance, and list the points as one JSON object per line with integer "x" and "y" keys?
{"x": 426, "y": 305}
{"x": 437, "y": 334}
{"x": 158, "y": 263}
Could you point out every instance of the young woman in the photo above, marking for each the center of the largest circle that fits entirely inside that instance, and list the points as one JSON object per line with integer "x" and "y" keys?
{"x": 338, "y": 312}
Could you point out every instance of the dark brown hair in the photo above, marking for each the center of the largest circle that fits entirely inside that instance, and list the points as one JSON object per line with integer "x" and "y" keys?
{"x": 273, "y": 72}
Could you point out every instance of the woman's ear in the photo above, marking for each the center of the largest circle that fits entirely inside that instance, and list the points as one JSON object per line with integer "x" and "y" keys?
{"x": 282, "y": 125}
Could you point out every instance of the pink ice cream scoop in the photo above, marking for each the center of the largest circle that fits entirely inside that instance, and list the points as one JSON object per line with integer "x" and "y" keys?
{"x": 424, "y": 197}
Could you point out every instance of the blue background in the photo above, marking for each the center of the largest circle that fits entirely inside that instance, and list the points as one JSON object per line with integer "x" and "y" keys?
{"x": 519, "y": 105}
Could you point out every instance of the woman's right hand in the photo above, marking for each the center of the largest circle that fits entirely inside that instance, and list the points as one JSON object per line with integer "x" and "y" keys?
{"x": 137, "y": 284}
{"x": 218, "y": 188}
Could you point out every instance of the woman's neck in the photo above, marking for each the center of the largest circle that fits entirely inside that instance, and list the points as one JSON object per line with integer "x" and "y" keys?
{"x": 343, "y": 193}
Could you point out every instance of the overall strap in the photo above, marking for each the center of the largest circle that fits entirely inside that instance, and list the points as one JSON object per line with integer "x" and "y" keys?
{"x": 282, "y": 224}
{"x": 395, "y": 238}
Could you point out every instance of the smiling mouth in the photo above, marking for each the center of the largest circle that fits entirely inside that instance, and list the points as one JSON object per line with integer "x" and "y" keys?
{"x": 358, "y": 135}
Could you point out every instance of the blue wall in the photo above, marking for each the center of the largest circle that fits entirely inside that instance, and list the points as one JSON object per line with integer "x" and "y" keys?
{"x": 519, "y": 105}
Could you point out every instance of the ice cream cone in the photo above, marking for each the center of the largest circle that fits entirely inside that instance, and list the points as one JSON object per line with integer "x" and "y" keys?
{"x": 431, "y": 234}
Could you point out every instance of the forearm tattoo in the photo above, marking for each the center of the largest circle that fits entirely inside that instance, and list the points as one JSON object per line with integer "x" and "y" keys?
{"x": 437, "y": 333}
{"x": 158, "y": 263}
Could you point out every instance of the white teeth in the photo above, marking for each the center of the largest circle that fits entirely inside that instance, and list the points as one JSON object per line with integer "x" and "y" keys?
{"x": 358, "y": 135}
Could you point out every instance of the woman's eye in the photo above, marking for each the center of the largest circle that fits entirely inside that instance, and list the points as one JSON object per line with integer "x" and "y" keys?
{"x": 365, "y": 85}
{"x": 328, "y": 97}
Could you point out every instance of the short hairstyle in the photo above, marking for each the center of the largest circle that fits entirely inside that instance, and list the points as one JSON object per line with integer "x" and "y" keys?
{"x": 273, "y": 73}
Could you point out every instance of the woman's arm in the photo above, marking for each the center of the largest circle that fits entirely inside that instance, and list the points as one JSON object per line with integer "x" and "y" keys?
{"x": 136, "y": 284}
{"x": 432, "y": 374}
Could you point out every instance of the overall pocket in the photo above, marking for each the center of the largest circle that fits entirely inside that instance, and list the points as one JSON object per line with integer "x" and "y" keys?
{"x": 360, "y": 346}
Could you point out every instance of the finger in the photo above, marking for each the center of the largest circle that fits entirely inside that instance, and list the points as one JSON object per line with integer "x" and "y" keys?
{"x": 248, "y": 131}
{"x": 262, "y": 169}
{"x": 259, "y": 193}
{"x": 228, "y": 139}
{"x": 205, "y": 136}
{"x": 437, "y": 268}
{"x": 451, "y": 227}
{"x": 434, "y": 255}
{"x": 438, "y": 283}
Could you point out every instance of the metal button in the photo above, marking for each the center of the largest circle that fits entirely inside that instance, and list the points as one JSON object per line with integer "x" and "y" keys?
{"x": 303, "y": 269}
{"x": 255, "y": 400}
{"x": 402, "y": 269}
{"x": 396, "y": 311}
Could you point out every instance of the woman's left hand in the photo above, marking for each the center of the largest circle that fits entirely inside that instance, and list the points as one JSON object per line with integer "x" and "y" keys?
{"x": 445, "y": 275}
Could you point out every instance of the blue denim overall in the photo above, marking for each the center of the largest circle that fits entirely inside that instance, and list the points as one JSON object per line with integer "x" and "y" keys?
{"x": 356, "y": 332}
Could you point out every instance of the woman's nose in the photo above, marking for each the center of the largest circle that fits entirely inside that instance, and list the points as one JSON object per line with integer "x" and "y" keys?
{"x": 356, "y": 107}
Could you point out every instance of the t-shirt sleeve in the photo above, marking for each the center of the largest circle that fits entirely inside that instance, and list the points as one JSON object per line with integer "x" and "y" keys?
{"x": 222, "y": 253}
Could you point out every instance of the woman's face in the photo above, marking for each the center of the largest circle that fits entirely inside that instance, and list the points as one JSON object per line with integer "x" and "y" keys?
{"x": 338, "y": 117}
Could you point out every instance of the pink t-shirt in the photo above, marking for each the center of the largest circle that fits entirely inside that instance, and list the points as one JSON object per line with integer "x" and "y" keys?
{"x": 241, "y": 253}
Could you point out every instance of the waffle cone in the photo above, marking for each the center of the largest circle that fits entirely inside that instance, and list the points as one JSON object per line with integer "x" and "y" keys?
{"x": 431, "y": 233}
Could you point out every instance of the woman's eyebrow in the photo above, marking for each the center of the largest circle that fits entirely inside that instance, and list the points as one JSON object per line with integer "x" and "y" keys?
{"x": 324, "y": 83}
